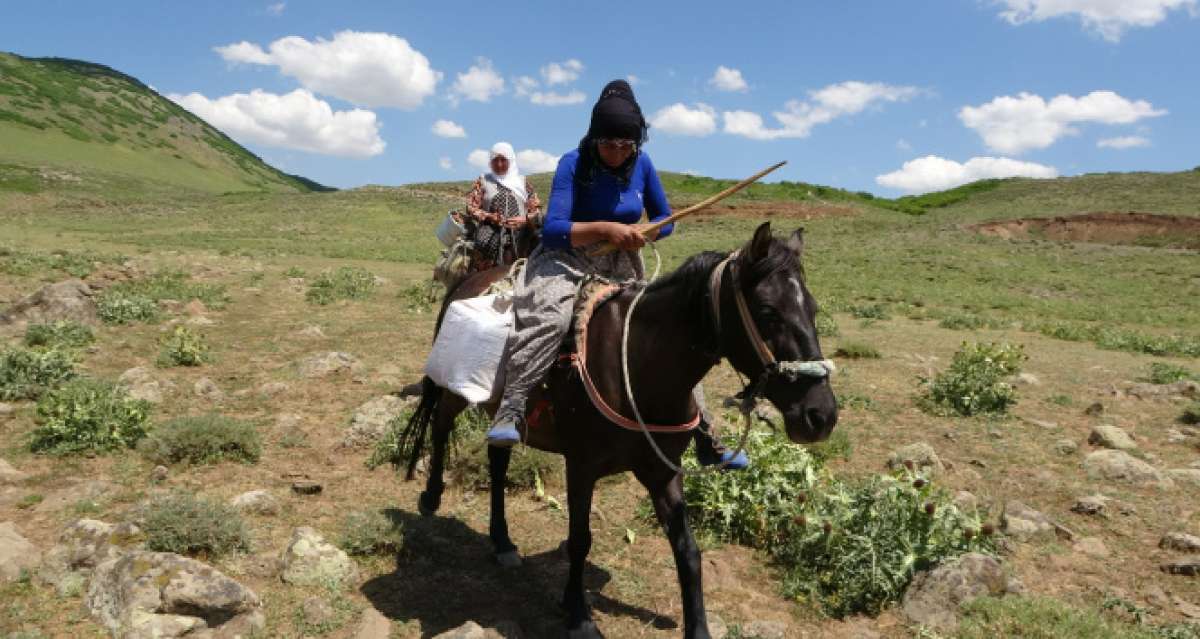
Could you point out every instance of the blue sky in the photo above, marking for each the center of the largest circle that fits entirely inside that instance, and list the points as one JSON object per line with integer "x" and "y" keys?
{"x": 887, "y": 96}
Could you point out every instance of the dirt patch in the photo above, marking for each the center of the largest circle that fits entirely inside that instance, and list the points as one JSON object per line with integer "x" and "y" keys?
{"x": 783, "y": 209}
{"x": 1140, "y": 229}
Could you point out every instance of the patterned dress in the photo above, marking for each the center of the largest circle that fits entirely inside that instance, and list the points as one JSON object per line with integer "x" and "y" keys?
{"x": 493, "y": 243}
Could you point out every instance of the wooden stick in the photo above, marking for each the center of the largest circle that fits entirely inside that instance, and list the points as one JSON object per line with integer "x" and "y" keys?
{"x": 606, "y": 248}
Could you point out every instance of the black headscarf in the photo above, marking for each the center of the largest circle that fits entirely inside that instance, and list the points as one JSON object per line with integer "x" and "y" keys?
{"x": 615, "y": 115}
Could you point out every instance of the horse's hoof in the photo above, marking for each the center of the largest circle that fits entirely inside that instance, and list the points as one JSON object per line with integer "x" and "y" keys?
{"x": 425, "y": 507}
{"x": 585, "y": 630}
{"x": 510, "y": 559}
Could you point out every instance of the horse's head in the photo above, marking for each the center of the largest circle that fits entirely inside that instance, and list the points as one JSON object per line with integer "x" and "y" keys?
{"x": 769, "y": 274}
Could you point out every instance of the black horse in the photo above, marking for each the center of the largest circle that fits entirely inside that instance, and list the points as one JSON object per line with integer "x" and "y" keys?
{"x": 683, "y": 325}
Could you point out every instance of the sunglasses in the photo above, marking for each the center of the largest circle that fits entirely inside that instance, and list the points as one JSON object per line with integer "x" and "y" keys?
{"x": 615, "y": 143}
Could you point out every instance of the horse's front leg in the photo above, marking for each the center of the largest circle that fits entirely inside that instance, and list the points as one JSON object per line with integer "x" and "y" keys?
{"x": 581, "y": 482}
{"x": 502, "y": 545}
{"x": 666, "y": 492}
{"x": 447, "y": 411}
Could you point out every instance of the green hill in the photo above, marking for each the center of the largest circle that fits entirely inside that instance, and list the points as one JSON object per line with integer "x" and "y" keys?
{"x": 71, "y": 116}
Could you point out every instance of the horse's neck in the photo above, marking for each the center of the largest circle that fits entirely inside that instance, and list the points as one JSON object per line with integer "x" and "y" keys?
{"x": 667, "y": 345}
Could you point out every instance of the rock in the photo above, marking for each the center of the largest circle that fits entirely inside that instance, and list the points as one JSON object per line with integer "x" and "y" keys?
{"x": 81, "y": 490}
{"x": 1188, "y": 566}
{"x": 195, "y": 308}
{"x": 1066, "y": 447}
{"x": 1156, "y": 596}
{"x": 311, "y": 561}
{"x": 1040, "y": 423}
{"x": 373, "y": 625}
{"x": 141, "y": 383}
{"x": 1091, "y": 505}
{"x": 1094, "y": 409}
{"x": 371, "y": 419}
{"x": 1024, "y": 523}
{"x": 323, "y": 364}
{"x": 310, "y": 332}
{"x": 159, "y": 594}
{"x": 8, "y": 410}
{"x": 306, "y": 487}
{"x": 1109, "y": 436}
{"x": 159, "y": 474}
{"x": 83, "y": 545}
{"x": 469, "y": 630}
{"x": 271, "y": 389}
{"x": 1185, "y": 476}
{"x": 317, "y": 611}
{"x": 10, "y": 475}
{"x": 258, "y": 502}
{"x": 1092, "y": 547}
{"x": 717, "y": 627}
{"x": 923, "y": 457}
{"x": 69, "y": 300}
{"x": 966, "y": 502}
{"x": 1117, "y": 465}
{"x": 1182, "y": 388}
{"x": 934, "y": 597}
{"x": 1027, "y": 379}
{"x": 17, "y": 554}
{"x": 208, "y": 389}
{"x": 1182, "y": 542}
{"x": 764, "y": 630}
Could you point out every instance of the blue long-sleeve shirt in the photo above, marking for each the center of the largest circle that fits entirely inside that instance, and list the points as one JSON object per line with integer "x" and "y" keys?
{"x": 606, "y": 200}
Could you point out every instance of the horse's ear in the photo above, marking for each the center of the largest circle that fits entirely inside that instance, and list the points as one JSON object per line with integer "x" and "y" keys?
{"x": 796, "y": 242}
{"x": 760, "y": 244}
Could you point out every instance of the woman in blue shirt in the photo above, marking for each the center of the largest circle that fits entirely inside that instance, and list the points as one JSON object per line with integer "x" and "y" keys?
{"x": 598, "y": 194}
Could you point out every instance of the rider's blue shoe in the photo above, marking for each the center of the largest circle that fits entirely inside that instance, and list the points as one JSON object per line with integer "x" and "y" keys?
{"x": 503, "y": 435}
{"x": 710, "y": 453}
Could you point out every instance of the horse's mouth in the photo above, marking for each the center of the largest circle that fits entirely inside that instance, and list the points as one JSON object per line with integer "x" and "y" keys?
{"x": 809, "y": 426}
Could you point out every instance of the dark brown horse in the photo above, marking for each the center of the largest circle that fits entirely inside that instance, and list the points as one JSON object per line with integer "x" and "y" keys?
{"x": 682, "y": 327}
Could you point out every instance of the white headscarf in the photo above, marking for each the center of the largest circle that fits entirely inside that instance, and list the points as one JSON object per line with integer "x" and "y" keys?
{"x": 512, "y": 179}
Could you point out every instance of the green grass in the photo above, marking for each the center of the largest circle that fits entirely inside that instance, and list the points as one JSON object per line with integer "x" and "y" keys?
{"x": 1034, "y": 617}
{"x": 203, "y": 439}
{"x": 182, "y": 523}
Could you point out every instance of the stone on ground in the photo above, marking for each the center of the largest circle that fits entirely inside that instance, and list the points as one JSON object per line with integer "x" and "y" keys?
{"x": 83, "y": 545}
{"x": 764, "y": 630}
{"x": 934, "y": 598}
{"x": 373, "y": 625}
{"x": 1185, "y": 476}
{"x": 1092, "y": 547}
{"x": 1181, "y": 542}
{"x": 17, "y": 554}
{"x": 1109, "y": 436}
{"x": 1091, "y": 505}
{"x": 1187, "y": 566}
{"x": 257, "y": 502}
{"x": 142, "y": 383}
{"x": 923, "y": 457}
{"x": 1182, "y": 388}
{"x": 69, "y": 300}
{"x": 371, "y": 419}
{"x": 1024, "y": 523}
{"x": 470, "y": 630}
{"x": 309, "y": 560}
{"x": 271, "y": 389}
{"x": 208, "y": 389}
{"x": 323, "y": 364}
{"x": 1120, "y": 466}
{"x": 159, "y": 594}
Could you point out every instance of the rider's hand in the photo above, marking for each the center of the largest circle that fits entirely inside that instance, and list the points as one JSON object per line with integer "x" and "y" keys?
{"x": 647, "y": 232}
{"x": 625, "y": 237}
{"x": 516, "y": 221}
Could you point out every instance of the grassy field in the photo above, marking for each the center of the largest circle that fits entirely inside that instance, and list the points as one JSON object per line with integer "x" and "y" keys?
{"x": 890, "y": 279}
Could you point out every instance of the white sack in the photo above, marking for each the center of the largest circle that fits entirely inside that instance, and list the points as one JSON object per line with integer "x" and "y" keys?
{"x": 469, "y": 353}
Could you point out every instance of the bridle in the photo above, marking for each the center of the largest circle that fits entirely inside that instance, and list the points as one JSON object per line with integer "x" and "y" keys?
{"x": 788, "y": 370}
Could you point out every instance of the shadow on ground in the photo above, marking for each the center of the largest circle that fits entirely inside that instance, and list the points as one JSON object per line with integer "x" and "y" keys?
{"x": 445, "y": 576}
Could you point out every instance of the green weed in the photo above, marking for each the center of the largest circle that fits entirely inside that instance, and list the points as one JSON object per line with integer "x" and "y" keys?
{"x": 62, "y": 334}
{"x": 870, "y": 312}
{"x": 421, "y": 297}
{"x": 856, "y": 350}
{"x": 1165, "y": 373}
{"x": 976, "y": 382}
{"x": 969, "y": 322}
{"x": 203, "y": 439}
{"x": 346, "y": 283}
{"x": 1191, "y": 414}
{"x": 183, "y": 347}
{"x": 26, "y": 374}
{"x": 137, "y": 301}
{"x": 371, "y": 532}
{"x": 88, "y": 415}
{"x": 1036, "y": 617}
{"x": 182, "y": 523}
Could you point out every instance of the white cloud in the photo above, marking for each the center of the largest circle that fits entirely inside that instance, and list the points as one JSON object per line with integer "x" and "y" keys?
{"x": 480, "y": 83}
{"x": 633, "y": 80}
{"x": 524, "y": 85}
{"x": 726, "y": 79}
{"x": 1123, "y": 142}
{"x": 903, "y": 145}
{"x": 550, "y": 98}
{"x": 823, "y": 106}
{"x": 367, "y": 69}
{"x": 479, "y": 159}
{"x": 1015, "y": 124}
{"x": 536, "y": 161}
{"x": 297, "y": 120}
{"x": 933, "y": 173}
{"x": 276, "y": 9}
{"x": 448, "y": 129}
{"x": 678, "y": 119}
{"x": 1107, "y": 18}
{"x": 528, "y": 160}
{"x": 562, "y": 72}
{"x": 445, "y": 163}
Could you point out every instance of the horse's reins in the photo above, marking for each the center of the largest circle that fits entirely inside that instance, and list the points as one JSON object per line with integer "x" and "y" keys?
{"x": 790, "y": 370}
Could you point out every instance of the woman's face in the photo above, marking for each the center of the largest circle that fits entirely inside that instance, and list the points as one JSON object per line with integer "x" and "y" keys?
{"x": 614, "y": 152}
{"x": 499, "y": 165}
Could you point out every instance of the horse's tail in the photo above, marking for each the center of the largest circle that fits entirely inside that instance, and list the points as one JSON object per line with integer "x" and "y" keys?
{"x": 412, "y": 439}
